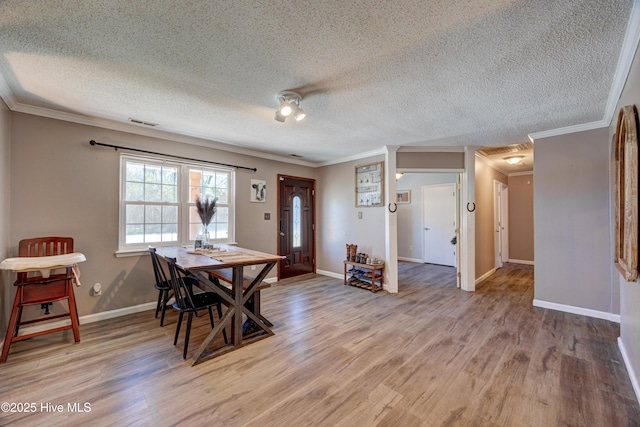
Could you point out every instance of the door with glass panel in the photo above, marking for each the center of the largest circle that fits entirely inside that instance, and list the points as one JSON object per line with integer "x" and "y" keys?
{"x": 296, "y": 230}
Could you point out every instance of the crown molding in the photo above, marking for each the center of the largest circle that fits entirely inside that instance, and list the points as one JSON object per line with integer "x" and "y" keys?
{"x": 521, "y": 173}
{"x": 627, "y": 54}
{"x": 567, "y": 130}
{"x": 131, "y": 128}
{"x": 6, "y": 94}
{"x": 625, "y": 60}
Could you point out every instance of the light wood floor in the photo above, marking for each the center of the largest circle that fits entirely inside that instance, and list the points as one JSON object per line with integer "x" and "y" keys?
{"x": 430, "y": 356}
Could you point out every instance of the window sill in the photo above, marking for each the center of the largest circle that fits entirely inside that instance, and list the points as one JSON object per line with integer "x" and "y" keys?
{"x": 143, "y": 251}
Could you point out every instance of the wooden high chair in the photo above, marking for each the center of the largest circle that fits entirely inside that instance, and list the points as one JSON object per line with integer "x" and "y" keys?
{"x": 42, "y": 289}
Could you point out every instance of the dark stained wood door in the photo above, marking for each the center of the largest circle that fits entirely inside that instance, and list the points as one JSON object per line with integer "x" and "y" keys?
{"x": 296, "y": 226}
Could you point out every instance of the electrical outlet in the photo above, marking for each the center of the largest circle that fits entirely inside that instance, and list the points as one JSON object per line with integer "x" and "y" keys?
{"x": 97, "y": 290}
{"x": 359, "y": 215}
{"x": 253, "y": 267}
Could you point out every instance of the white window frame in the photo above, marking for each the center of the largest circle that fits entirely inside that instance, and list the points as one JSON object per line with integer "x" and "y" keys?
{"x": 125, "y": 249}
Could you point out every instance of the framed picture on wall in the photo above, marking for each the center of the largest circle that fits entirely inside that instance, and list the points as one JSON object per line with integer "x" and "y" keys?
{"x": 403, "y": 196}
{"x": 370, "y": 185}
{"x": 258, "y": 190}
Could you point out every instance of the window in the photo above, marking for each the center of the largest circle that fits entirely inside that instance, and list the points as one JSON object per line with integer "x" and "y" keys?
{"x": 158, "y": 202}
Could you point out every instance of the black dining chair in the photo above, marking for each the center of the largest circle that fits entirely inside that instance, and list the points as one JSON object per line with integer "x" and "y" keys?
{"x": 186, "y": 301}
{"x": 163, "y": 284}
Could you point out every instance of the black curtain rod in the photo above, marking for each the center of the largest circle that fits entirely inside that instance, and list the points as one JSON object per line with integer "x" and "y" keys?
{"x": 92, "y": 142}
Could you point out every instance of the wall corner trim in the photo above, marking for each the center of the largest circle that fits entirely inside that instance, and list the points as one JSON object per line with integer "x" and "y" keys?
{"x": 577, "y": 310}
{"x": 633, "y": 375}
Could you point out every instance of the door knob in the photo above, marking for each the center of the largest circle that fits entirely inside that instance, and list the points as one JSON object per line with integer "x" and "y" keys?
{"x": 282, "y": 234}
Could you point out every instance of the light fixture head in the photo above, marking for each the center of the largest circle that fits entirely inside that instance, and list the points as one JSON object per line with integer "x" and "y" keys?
{"x": 513, "y": 160}
{"x": 399, "y": 175}
{"x": 279, "y": 117}
{"x": 299, "y": 114}
{"x": 289, "y": 105}
{"x": 286, "y": 108}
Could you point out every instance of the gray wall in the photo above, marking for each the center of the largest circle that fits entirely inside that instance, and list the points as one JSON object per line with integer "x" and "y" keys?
{"x": 571, "y": 220}
{"x": 485, "y": 234}
{"x": 410, "y": 233}
{"x": 521, "y": 217}
{"x": 629, "y": 293}
{"x": 338, "y": 222}
{"x": 62, "y": 186}
{"x": 5, "y": 170}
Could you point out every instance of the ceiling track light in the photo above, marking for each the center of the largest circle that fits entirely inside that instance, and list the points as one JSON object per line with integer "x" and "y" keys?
{"x": 289, "y": 106}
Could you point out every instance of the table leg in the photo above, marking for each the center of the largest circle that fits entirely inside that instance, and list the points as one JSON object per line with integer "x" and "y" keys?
{"x": 238, "y": 272}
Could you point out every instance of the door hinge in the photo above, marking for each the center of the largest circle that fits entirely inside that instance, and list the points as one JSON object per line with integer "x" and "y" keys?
{"x": 281, "y": 178}
{"x": 313, "y": 192}
{"x": 458, "y": 274}
{"x": 313, "y": 227}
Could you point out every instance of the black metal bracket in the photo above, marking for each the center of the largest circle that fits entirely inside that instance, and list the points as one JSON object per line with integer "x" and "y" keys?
{"x": 45, "y": 307}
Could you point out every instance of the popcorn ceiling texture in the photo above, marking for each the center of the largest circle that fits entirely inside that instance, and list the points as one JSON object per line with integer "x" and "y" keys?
{"x": 371, "y": 72}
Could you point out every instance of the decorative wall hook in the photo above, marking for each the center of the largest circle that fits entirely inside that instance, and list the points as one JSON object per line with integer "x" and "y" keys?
{"x": 474, "y": 206}
{"x": 395, "y": 207}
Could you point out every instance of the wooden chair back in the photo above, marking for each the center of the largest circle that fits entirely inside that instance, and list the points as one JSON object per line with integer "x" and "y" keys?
{"x": 181, "y": 291}
{"x": 158, "y": 271}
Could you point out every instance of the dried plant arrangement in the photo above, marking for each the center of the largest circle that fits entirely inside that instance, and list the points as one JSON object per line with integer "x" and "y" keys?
{"x": 206, "y": 210}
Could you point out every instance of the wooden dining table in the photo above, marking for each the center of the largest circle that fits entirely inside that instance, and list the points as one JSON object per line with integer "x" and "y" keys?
{"x": 199, "y": 262}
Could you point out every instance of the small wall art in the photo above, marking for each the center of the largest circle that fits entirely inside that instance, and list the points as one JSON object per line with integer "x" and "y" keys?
{"x": 258, "y": 190}
{"x": 403, "y": 196}
{"x": 370, "y": 185}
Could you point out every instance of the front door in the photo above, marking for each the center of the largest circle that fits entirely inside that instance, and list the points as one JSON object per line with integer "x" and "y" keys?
{"x": 296, "y": 229}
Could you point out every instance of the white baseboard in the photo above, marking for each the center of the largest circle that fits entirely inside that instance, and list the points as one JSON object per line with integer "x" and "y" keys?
{"x": 485, "y": 275}
{"x": 83, "y": 320}
{"x": 521, "y": 261}
{"x": 633, "y": 375}
{"x": 577, "y": 310}
{"x": 331, "y": 274}
{"x": 416, "y": 260}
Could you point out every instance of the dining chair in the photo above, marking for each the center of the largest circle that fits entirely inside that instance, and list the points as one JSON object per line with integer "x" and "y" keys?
{"x": 186, "y": 301}
{"x": 163, "y": 284}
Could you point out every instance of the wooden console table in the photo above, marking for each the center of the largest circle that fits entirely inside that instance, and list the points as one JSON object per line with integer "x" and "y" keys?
{"x": 364, "y": 276}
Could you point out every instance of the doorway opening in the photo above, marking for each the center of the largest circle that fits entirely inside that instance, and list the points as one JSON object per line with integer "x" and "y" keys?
{"x": 428, "y": 227}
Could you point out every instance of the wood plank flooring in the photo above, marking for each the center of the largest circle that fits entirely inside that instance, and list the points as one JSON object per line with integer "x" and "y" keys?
{"x": 432, "y": 355}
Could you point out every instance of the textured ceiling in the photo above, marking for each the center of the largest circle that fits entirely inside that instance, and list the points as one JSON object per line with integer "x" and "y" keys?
{"x": 371, "y": 73}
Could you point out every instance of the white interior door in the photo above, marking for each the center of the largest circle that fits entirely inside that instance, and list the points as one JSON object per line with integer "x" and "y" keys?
{"x": 439, "y": 224}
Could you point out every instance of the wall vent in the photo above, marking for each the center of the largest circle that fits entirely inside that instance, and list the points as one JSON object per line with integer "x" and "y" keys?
{"x": 141, "y": 122}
